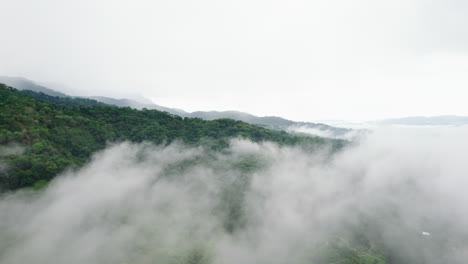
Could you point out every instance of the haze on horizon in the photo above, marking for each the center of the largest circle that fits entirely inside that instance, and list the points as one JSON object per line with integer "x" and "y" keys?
{"x": 302, "y": 60}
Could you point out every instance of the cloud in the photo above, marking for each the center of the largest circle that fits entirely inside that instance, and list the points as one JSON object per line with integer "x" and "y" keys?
{"x": 253, "y": 203}
{"x": 7, "y": 150}
{"x": 328, "y": 132}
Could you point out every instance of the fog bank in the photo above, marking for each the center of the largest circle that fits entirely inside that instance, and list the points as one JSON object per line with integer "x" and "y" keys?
{"x": 398, "y": 193}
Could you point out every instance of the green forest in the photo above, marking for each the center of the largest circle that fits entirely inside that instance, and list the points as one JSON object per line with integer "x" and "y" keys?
{"x": 56, "y": 133}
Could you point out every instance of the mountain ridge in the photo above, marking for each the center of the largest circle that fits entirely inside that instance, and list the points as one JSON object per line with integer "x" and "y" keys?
{"x": 64, "y": 134}
{"x": 271, "y": 122}
{"x": 439, "y": 120}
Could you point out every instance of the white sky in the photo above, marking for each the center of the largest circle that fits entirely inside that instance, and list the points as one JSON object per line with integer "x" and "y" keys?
{"x": 299, "y": 59}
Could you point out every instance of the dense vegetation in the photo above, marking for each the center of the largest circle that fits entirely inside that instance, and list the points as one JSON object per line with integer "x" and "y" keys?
{"x": 57, "y": 133}
{"x": 65, "y": 100}
{"x": 271, "y": 122}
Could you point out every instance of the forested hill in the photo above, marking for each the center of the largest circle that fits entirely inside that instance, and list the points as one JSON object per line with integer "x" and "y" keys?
{"x": 270, "y": 122}
{"x": 54, "y": 136}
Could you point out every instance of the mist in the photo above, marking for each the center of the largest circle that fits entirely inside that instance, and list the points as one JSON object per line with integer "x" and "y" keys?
{"x": 398, "y": 189}
{"x": 328, "y": 133}
{"x": 10, "y": 149}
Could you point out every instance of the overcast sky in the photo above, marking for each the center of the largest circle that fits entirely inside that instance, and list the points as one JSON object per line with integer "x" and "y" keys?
{"x": 300, "y": 59}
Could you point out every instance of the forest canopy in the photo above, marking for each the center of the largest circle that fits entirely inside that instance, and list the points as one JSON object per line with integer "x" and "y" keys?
{"x": 55, "y": 133}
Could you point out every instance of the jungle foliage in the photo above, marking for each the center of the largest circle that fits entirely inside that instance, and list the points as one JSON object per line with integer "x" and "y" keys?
{"x": 56, "y": 133}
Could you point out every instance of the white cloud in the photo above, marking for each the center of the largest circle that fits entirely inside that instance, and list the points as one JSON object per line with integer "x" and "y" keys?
{"x": 139, "y": 203}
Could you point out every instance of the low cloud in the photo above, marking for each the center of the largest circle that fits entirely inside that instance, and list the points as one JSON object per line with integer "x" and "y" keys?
{"x": 7, "y": 150}
{"x": 328, "y": 132}
{"x": 399, "y": 193}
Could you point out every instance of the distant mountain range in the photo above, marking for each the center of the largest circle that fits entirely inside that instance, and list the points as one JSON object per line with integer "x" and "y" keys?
{"x": 443, "y": 120}
{"x": 272, "y": 122}
{"x": 137, "y": 105}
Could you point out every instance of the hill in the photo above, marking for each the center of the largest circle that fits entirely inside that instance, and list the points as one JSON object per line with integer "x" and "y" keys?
{"x": 271, "y": 122}
{"x": 137, "y": 105}
{"x": 64, "y": 134}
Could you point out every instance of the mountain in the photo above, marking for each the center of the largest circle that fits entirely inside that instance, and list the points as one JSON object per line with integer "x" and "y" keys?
{"x": 64, "y": 134}
{"x": 24, "y": 84}
{"x": 21, "y": 83}
{"x": 443, "y": 120}
{"x": 68, "y": 100}
{"x": 271, "y": 122}
{"x": 275, "y": 122}
{"x": 137, "y": 105}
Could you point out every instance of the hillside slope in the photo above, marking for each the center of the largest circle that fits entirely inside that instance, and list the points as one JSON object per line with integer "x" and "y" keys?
{"x": 54, "y": 136}
{"x": 137, "y": 105}
{"x": 272, "y": 122}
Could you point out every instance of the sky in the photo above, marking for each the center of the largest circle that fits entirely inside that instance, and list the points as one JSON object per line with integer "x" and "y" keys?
{"x": 299, "y": 59}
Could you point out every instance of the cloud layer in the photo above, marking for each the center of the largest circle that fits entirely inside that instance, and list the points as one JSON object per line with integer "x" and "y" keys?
{"x": 401, "y": 189}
